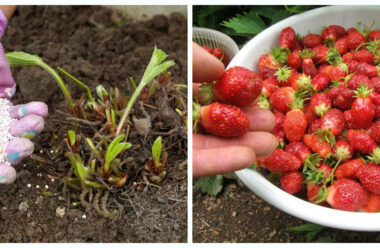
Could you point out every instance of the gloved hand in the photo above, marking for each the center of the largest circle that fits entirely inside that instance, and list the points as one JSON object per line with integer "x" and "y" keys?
{"x": 27, "y": 124}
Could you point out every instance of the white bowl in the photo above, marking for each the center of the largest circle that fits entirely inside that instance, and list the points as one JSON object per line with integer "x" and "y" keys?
{"x": 248, "y": 56}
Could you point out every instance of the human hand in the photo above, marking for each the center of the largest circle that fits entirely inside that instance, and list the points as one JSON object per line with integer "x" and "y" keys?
{"x": 214, "y": 155}
{"x": 18, "y": 123}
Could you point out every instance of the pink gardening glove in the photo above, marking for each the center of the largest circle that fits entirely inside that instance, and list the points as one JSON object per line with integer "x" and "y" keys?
{"x": 28, "y": 120}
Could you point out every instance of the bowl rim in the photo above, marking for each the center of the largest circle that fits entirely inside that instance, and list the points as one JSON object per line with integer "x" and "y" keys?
{"x": 356, "y": 221}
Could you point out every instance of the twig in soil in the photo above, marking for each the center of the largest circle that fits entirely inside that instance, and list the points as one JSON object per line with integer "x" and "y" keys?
{"x": 42, "y": 160}
{"x": 85, "y": 122}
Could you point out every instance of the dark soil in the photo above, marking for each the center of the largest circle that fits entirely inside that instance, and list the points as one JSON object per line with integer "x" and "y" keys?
{"x": 238, "y": 215}
{"x": 92, "y": 44}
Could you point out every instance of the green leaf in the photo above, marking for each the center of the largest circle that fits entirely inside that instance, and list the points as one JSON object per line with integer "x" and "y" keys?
{"x": 267, "y": 11}
{"x": 92, "y": 146}
{"x": 19, "y": 58}
{"x": 155, "y": 67}
{"x": 306, "y": 227}
{"x": 211, "y": 185}
{"x": 248, "y": 23}
{"x": 72, "y": 138}
{"x": 114, "y": 149}
{"x": 279, "y": 16}
{"x": 297, "y": 9}
{"x": 156, "y": 150}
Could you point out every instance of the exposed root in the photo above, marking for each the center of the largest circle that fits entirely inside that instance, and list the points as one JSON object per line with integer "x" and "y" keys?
{"x": 83, "y": 201}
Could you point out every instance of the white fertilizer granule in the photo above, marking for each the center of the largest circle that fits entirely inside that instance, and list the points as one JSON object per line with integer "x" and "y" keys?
{"x": 5, "y": 122}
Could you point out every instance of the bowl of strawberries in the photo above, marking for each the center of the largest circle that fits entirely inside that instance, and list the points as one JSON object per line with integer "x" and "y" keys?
{"x": 320, "y": 76}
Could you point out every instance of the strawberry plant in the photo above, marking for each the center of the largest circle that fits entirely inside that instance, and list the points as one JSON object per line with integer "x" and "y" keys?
{"x": 99, "y": 159}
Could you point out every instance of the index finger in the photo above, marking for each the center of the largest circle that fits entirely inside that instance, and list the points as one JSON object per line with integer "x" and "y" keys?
{"x": 206, "y": 67}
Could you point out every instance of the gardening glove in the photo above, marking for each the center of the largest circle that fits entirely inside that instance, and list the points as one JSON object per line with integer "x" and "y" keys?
{"x": 28, "y": 120}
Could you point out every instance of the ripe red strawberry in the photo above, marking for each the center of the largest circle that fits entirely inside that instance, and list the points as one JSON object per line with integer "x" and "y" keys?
{"x": 325, "y": 169}
{"x": 338, "y": 72}
{"x": 367, "y": 69}
{"x": 226, "y": 60}
{"x": 349, "y": 123}
{"x": 218, "y": 53}
{"x": 282, "y": 99}
{"x": 291, "y": 182}
{"x": 221, "y": 119}
{"x": 312, "y": 40}
{"x": 374, "y": 84}
{"x": 309, "y": 114}
{"x": 374, "y": 35}
{"x": 341, "y": 97}
{"x": 352, "y": 65}
{"x": 363, "y": 110}
{"x": 267, "y": 65}
{"x": 238, "y": 86}
{"x": 347, "y": 194}
{"x": 300, "y": 81}
{"x": 369, "y": 177}
{"x": 208, "y": 49}
{"x": 320, "y": 81}
{"x": 294, "y": 60}
{"x": 324, "y": 69}
{"x": 349, "y": 169}
{"x": 341, "y": 45}
{"x": 316, "y": 144}
{"x": 332, "y": 122}
{"x": 364, "y": 56}
{"x": 375, "y": 98}
{"x": 287, "y": 38}
{"x": 320, "y": 103}
{"x": 297, "y": 46}
{"x": 320, "y": 52}
{"x": 332, "y": 33}
{"x": 374, "y": 131}
{"x": 377, "y": 111}
{"x": 373, "y": 205}
{"x": 348, "y": 56}
{"x": 312, "y": 192}
{"x": 269, "y": 85}
{"x": 360, "y": 141}
{"x": 308, "y": 67}
{"x": 295, "y": 125}
{"x": 342, "y": 150}
{"x": 298, "y": 149}
{"x": 357, "y": 79}
{"x": 314, "y": 126}
{"x": 355, "y": 39}
{"x": 283, "y": 76}
{"x": 282, "y": 161}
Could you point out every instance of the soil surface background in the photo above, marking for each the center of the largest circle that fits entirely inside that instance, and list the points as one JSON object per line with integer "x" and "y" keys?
{"x": 238, "y": 215}
{"x": 97, "y": 46}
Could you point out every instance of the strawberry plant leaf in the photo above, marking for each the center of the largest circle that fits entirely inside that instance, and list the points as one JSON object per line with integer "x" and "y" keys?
{"x": 248, "y": 23}
{"x": 156, "y": 150}
{"x": 306, "y": 227}
{"x": 71, "y": 135}
{"x": 279, "y": 15}
{"x": 211, "y": 185}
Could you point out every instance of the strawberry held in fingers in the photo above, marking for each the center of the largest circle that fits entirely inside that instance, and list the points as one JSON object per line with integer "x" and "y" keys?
{"x": 347, "y": 194}
{"x": 238, "y": 86}
{"x": 221, "y": 119}
{"x": 363, "y": 110}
